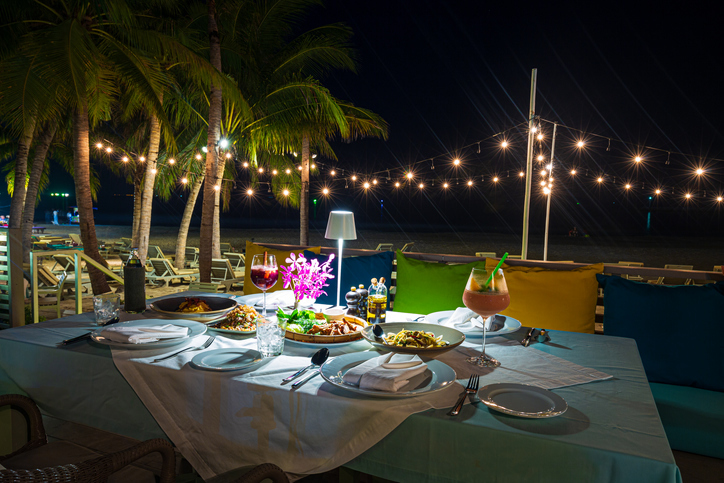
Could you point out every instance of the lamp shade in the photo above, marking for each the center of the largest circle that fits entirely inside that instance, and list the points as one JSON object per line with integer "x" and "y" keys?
{"x": 340, "y": 226}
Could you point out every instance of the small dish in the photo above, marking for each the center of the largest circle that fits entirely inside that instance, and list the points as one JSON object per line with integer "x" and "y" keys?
{"x": 219, "y": 306}
{"x": 334, "y": 313}
{"x": 452, "y": 336}
{"x": 522, "y": 400}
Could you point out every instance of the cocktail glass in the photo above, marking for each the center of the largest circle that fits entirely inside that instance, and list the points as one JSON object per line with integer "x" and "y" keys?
{"x": 486, "y": 301}
{"x": 264, "y": 273}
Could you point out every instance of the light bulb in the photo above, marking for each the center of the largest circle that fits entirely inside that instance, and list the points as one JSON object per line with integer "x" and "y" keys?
{"x": 540, "y": 157}
{"x": 542, "y": 183}
{"x": 638, "y": 159}
{"x": 198, "y": 157}
{"x": 719, "y": 198}
{"x": 699, "y": 171}
{"x": 421, "y": 185}
{"x": 543, "y": 172}
{"x": 580, "y": 144}
{"x": 285, "y": 192}
{"x": 470, "y": 183}
{"x": 445, "y": 185}
{"x": 124, "y": 159}
{"x": 628, "y": 186}
{"x": 366, "y": 185}
{"x": 245, "y": 164}
{"x": 171, "y": 161}
{"x": 224, "y": 143}
{"x": 249, "y": 192}
{"x": 261, "y": 170}
{"x": 99, "y": 145}
{"x": 495, "y": 180}
{"x": 688, "y": 195}
{"x": 573, "y": 172}
{"x": 600, "y": 180}
{"x": 228, "y": 155}
{"x": 109, "y": 150}
{"x": 658, "y": 192}
{"x": 374, "y": 181}
{"x": 332, "y": 173}
{"x": 456, "y": 162}
{"x": 409, "y": 175}
{"x": 184, "y": 180}
{"x": 313, "y": 166}
{"x": 153, "y": 171}
{"x": 354, "y": 177}
{"x": 142, "y": 158}
{"x": 397, "y": 184}
{"x": 217, "y": 187}
{"x": 288, "y": 171}
{"x": 504, "y": 144}
{"x": 540, "y": 137}
{"x": 521, "y": 174}
{"x": 205, "y": 149}
{"x": 275, "y": 172}
{"x": 325, "y": 191}
{"x": 547, "y": 190}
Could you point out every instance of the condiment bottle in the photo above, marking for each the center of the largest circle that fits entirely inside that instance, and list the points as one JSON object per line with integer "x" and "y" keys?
{"x": 377, "y": 302}
{"x": 352, "y": 299}
{"x": 363, "y": 295}
{"x": 134, "y": 281}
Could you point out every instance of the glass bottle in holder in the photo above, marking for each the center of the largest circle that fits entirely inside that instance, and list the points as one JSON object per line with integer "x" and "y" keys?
{"x": 134, "y": 282}
{"x": 377, "y": 302}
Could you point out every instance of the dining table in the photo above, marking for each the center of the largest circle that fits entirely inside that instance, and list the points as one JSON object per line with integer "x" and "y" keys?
{"x": 221, "y": 421}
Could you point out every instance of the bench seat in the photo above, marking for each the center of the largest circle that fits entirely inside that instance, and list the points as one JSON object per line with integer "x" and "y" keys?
{"x": 693, "y": 418}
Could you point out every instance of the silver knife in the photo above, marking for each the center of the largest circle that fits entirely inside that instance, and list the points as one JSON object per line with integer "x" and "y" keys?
{"x": 86, "y": 335}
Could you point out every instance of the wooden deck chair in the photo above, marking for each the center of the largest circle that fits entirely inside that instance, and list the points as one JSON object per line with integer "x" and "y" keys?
{"x": 165, "y": 272}
{"x": 47, "y": 279}
{"x": 154, "y": 251}
{"x": 226, "y": 248}
{"x": 634, "y": 278}
{"x": 222, "y": 272}
{"x": 63, "y": 263}
{"x": 192, "y": 257}
{"x": 674, "y": 280}
{"x": 75, "y": 239}
{"x": 237, "y": 260}
{"x": 210, "y": 287}
{"x": 407, "y": 246}
{"x": 384, "y": 247}
{"x": 486, "y": 254}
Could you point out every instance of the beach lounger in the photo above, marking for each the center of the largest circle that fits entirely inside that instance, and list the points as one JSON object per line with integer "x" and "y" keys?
{"x": 192, "y": 257}
{"x": 47, "y": 279}
{"x": 63, "y": 263}
{"x": 634, "y": 278}
{"x": 237, "y": 260}
{"x": 165, "y": 272}
{"x": 75, "y": 239}
{"x": 222, "y": 272}
{"x": 672, "y": 280}
{"x": 486, "y": 254}
{"x": 226, "y": 248}
{"x": 384, "y": 247}
{"x": 204, "y": 287}
{"x": 407, "y": 246}
{"x": 154, "y": 251}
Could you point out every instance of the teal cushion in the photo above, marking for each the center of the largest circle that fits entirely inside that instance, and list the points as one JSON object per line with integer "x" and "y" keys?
{"x": 693, "y": 418}
{"x": 677, "y": 329}
{"x": 426, "y": 287}
{"x": 355, "y": 271}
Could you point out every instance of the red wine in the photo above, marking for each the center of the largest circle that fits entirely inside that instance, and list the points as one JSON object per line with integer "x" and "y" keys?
{"x": 264, "y": 278}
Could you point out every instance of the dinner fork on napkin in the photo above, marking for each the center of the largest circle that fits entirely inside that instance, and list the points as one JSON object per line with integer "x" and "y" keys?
{"x": 388, "y": 372}
{"x": 144, "y": 335}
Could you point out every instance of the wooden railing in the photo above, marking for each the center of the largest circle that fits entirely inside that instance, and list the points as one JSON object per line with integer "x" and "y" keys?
{"x": 78, "y": 256}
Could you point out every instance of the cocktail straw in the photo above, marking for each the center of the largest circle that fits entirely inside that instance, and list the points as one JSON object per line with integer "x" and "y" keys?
{"x": 492, "y": 274}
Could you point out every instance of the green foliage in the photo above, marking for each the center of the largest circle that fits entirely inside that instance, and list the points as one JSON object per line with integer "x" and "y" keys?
{"x": 29, "y": 315}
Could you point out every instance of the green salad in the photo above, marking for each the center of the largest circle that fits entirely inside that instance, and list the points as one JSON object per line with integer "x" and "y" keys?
{"x": 300, "y": 321}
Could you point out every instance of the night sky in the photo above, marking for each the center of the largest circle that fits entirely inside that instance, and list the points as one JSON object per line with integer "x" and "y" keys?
{"x": 448, "y": 74}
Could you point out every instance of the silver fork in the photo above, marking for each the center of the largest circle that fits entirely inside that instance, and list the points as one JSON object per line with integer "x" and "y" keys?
{"x": 205, "y": 345}
{"x": 471, "y": 388}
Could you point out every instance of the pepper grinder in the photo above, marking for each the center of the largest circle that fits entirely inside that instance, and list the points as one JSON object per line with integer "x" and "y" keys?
{"x": 352, "y": 297}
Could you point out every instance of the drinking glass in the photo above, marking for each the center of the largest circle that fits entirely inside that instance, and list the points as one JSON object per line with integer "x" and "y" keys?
{"x": 486, "y": 301}
{"x": 270, "y": 336}
{"x": 264, "y": 273}
{"x": 106, "y": 307}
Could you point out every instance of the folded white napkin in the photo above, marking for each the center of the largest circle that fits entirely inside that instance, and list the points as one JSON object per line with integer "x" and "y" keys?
{"x": 144, "y": 335}
{"x": 464, "y": 319}
{"x": 281, "y": 298}
{"x": 388, "y": 373}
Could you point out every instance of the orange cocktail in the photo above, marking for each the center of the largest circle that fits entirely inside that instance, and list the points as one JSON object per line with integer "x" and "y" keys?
{"x": 486, "y": 296}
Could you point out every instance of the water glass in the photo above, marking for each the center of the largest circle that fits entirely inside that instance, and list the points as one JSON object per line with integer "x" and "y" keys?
{"x": 106, "y": 307}
{"x": 270, "y": 336}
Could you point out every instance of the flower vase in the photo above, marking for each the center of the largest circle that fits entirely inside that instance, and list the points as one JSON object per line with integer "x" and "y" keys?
{"x": 305, "y": 303}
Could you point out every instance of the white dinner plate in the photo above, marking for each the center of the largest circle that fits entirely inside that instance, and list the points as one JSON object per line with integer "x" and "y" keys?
{"x": 522, "y": 400}
{"x": 195, "y": 329}
{"x": 510, "y": 324}
{"x": 438, "y": 376}
{"x": 230, "y": 359}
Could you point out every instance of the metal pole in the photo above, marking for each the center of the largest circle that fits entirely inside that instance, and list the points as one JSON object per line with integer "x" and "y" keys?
{"x": 529, "y": 166}
{"x": 550, "y": 192}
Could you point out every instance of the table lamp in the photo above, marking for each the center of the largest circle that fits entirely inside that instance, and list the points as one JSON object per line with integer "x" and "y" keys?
{"x": 340, "y": 226}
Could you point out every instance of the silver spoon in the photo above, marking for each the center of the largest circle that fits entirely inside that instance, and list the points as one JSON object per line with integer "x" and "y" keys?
{"x": 321, "y": 356}
{"x": 378, "y": 332}
{"x": 317, "y": 360}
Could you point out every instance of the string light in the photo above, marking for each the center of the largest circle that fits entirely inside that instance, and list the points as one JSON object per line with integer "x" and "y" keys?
{"x": 397, "y": 184}
{"x": 109, "y": 150}
{"x": 171, "y": 161}
{"x": 470, "y": 183}
{"x": 422, "y": 185}
{"x": 245, "y": 164}
{"x": 456, "y": 162}
{"x": 628, "y": 186}
{"x": 600, "y": 180}
{"x": 543, "y": 172}
{"x": 198, "y": 158}
{"x": 445, "y": 185}
{"x": 99, "y": 145}
{"x": 325, "y": 191}
{"x": 184, "y": 180}
{"x": 261, "y": 170}
{"x": 547, "y": 190}
{"x": 719, "y": 198}
{"x": 580, "y": 144}
{"x": 249, "y": 192}
{"x": 374, "y": 182}
{"x": 658, "y": 191}
{"x": 699, "y": 171}
{"x": 288, "y": 171}
{"x": 275, "y": 172}
{"x": 573, "y": 172}
{"x": 504, "y": 144}
{"x": 638, "y": 159}
{"x": 205, "y": 149}
{"x": 540, "y": 137}
{"x": 224, "y": 143}
{"x": 540, "y": 157}
{"x": 286, "y": 191}
{"x": 332, "y": 173}
{"x": 542, "y": 183}
{"x": 688, "y": 196}
{"x": 124, "y": 159}
{"x": 495, "y": 180}
{"x": 153, "y": 171}
{"x": 366, "y": 185}
{"x": 228, "y": 155}
{"x": 354, "y": 177}
{"x": 409, "y": 175}
{"x": 299, "y": 167}
{"x": 217, "y": 187}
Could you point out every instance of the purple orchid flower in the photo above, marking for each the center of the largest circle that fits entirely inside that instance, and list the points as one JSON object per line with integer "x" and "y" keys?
{"x": 305, "y": 278}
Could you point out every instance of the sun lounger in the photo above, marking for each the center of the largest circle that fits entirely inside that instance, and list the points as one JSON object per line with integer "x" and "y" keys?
{"x": 226, "y": 248}
{"x": 237, "y": 260}
{"x": 384, "y": 247}
{"x": 48, "y": 280}
{"x": 407, "y": 246}
{"x": 63, "y": 263}
{"x": 204, "y": 287}
{"x": 673, "y": 280}
{"x": 222, "y": 272}
{"x": 154, "y": 251}
{"x": 165, "y": 272}
{"x": 75, "y": 239}
{"x": 486, "y": 254}
{"x": 635, "y": 278}
{"x": 192, "y": 257}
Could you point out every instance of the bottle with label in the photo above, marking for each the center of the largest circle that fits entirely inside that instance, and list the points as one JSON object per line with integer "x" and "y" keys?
{"x": 363, "y": 296}
{"x": 134, "y": 282}
{"x": 377, "y": 302}
{"x": 352, "y": 299}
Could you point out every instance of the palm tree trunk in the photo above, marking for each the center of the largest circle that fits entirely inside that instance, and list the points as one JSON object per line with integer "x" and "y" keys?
{"x": 207, "y": 214}
{"x": 183, "y": 231}
{"x": 31, "y": 197}
{"x": 81, "y": 164}
{"x": 147, "y": 196}
{"x": 216, "y": 244}
{"x": 137, "y": 202}
{"x": 304, "y": 194}
{"x": 17, "y": 203}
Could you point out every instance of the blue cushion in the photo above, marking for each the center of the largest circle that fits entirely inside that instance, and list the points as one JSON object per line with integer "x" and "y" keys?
{"x": 355, "y": 271}
{"x": 693, "y": 418}
{"x": 678, "y": 329}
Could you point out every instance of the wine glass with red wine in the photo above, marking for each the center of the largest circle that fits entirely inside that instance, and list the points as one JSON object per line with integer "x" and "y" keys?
{"x": 264, "y": 273}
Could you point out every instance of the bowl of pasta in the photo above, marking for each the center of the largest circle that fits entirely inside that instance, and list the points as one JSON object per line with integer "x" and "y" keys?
{"x": 201, "y": 309}
{"x": 415, "y": 338}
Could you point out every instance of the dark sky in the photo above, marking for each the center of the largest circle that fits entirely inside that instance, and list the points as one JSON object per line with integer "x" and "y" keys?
{"x": 446, "y": 74}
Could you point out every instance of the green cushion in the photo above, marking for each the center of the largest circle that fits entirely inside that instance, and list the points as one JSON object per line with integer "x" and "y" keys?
{"x": 426, "y": 287}
{"x": 693, "y": 418}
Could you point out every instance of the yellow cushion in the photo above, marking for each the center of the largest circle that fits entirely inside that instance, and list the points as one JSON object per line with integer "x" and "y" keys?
{"x": 552, "y": 299}
{"x": 254, "y": 249}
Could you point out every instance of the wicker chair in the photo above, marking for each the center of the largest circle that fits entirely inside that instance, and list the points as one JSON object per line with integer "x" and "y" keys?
{"x": 21, "y": 464}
